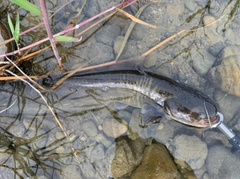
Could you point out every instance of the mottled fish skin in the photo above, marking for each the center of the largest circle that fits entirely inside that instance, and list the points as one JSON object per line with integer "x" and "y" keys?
{"x": 181, "y": 102}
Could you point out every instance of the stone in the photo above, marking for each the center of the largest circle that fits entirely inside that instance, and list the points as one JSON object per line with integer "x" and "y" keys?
{"x": 113, "y": 128}
{"x": 175, "y": 9}
{"x": 71, "y": 171}
{"x": 100, "y": 53}
{"x": 221, "y": 163}
{"x": 190, "y": 149}
{"x": 97, "y": 152}
{"x": 190, "y": 5}
{"x": 150, "y": 60}
{"x": 101, "y": 138}
{"x": 127, "y": 157}
{"x": 108, "y": 34}
{"x": 90, "y": 128}
{"x": 226, "y": 75}
{"x": 209, "y": 21}
{"x": 157, "y": 163}
{"x": 203, "y": 61}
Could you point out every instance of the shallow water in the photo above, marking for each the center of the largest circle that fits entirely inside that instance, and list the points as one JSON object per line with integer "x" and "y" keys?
{"x": 34, "y": 145}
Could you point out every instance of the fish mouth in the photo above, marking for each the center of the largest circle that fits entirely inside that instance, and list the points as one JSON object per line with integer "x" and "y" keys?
{"x": 208, "y": 123}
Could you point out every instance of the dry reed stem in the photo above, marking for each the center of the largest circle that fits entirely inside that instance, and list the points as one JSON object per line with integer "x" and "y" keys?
{"x": 44, "y": 99}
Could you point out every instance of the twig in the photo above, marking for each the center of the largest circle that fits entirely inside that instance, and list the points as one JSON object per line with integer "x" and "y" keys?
{"x": 44, "y": 99}
{"x": 8, "y": 106}
{"x": 129, "y": 2}
{"x": 49, "y": 32}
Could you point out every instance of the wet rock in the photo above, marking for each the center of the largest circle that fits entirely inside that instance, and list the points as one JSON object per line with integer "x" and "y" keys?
{"x": 190, "y": 149}
{"x": 216, "y": 48}
{"x": 156, "y": 163}
{"x": 59, "y": 135}
{"x": 71, "y": 171}
{"x": 228, "y": 104}
{"x": 127, "y": 157}
{"x": 175, "y": 9}
{"x": 130, "y": 49}
{"x": 163, "y": 134}
{"x": 100, "y": 53}
{"x": 212, "y": 35}
{"x": 113, "y": 128}
{"x": 90, "y": 128}
{"x": 212, "y": 137}
{"x": 221, "y": 163}
{"x": 202, "y": 62}
{"x": 97, "y": 152}
{"x": 108, "y": 34}
{"x": 190, "y": 5}
{"x": 91, "y": 8}
{"x": 101, "y": 138}
{"x": 7, "y": 173}
{"x": 226, "y": 75}
{"x": 209, "y": 21}
{"x": 88, "y": 170}
{"x": 150, "y": 60}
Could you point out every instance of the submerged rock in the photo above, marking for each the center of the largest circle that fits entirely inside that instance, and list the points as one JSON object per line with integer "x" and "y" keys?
{"x": 127, "y": 157}
{"x": 157, "y": 163}
{"x": 227, "y": 74}
{"x": 190, "y": 149}
{"x": 221, "y": 163}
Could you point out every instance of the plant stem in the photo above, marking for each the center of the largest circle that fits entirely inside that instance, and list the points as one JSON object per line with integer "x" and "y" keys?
{"x": 49, "y": 32}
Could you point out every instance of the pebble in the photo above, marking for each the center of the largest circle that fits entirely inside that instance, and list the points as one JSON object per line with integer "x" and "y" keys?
{"x": 150, "y": 60}
{"x": 210, "y": 21}
{"x": 190, "y": 149}
{"x": 203, "y": 61}
{"x": 190, "y": 5}
{"x": 113, "y": 128}
{"x": 59, "y": 135}
{"x": 175, "y": 9}
{"x": 101, "y": 138}
{"x": 163, "y": 134}
{"x": 90, "y": 128}
{"x": 60, "y": 150}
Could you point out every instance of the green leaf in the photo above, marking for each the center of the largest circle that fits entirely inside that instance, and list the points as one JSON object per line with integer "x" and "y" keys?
{"x": 11, "y": 25}
{"x": 64, "y": 38}
{"x": 17, "y": 29}
{"x": 28, "y": 6}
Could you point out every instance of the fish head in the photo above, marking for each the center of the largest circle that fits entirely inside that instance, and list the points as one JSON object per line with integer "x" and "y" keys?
{"x": 202, "y": 113}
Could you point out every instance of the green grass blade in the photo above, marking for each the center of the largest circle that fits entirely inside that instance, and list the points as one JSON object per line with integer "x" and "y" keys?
{"x": 28, "y": 6}
{"x": 64, "y": 38}
{"x": 17, "y": 29}
{"x": 11, "y": 25}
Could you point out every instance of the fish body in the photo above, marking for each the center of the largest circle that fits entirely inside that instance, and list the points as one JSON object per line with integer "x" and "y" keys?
{"x": 181, "y": 102}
